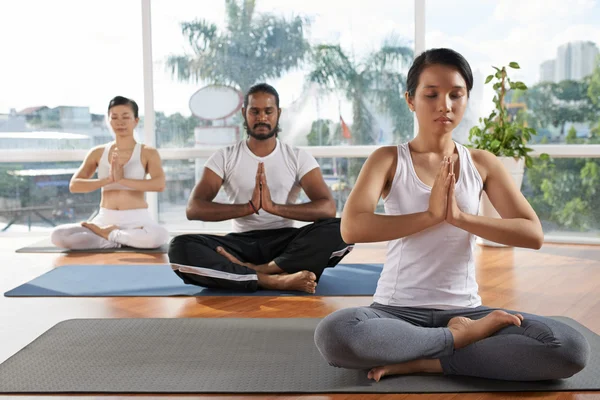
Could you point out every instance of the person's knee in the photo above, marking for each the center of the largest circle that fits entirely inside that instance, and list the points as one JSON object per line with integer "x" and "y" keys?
{"x": 183, "y": 246}
{"x": 568, "y": 349}
{"x": 176, "y": 252}
{"x": 58, "y": 237}
{"x": 329, "y": 338}
{"x": 573, "y": 354}
{"x": 333, "y": 335}
{"x": 160, "y": 237}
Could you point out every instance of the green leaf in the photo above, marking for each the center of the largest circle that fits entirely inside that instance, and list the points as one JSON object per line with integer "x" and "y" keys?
{"x": 489, "y": 78}
{"x": 514, "y": 65}
{"x": 520, "y": 85}
{"x": 544, "y": 157}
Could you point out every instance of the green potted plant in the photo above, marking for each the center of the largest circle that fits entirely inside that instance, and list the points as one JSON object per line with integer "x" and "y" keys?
{"x": 504, "y": 135}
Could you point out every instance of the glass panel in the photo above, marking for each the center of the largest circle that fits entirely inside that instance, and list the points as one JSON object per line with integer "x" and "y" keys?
{"x": 62, "y": 63}
{"x": 59, "y": 73}
{"x": 36, "y": 197}
{"x": 340, "y": 72}
{"x": 564, "y": 193}
{"x": 556, "y": 45}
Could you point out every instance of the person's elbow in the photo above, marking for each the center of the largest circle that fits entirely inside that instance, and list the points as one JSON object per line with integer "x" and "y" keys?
{"x": 535, "y": 237}
{"x": 191, "y": 214}
{"x": 537, "y": 240}
{"x": 161, "y": 187}
{"x": 348, "y": 230}
{"x": 330, "y": 209}
{"x": 74, "y": 187}
{"x": 193, "y": 211}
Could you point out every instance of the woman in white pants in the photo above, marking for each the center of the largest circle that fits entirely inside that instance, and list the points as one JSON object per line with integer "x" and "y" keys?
{"x": 122, "y": 167}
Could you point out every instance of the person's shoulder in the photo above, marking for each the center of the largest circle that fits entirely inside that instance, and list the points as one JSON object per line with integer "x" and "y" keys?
{"x": 482, "y": 157}
{"x": 237, "y": 146}
{"x": 485, "y": 162}
{"x": 384, "y": 153}
{"x": 149, "y": 150}
{"x": 229, "y": 150}
{"x": 227, "y": 153}
{"x": 288, "y": 147}
{"x": 99, "y": 148}
{"x": 96, "y": 151}
{"x": 290, "y": 150}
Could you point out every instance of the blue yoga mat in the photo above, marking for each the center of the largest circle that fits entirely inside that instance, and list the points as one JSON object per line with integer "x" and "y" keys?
{"x": 160, "y": 280}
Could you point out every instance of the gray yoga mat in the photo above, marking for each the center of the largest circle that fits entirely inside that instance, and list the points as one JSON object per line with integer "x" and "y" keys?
{"x": 46, "y": 246}
{"x": 222, "y": 355}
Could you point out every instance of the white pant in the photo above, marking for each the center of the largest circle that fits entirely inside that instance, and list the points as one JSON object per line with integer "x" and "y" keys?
{"x": 135, "y": 229}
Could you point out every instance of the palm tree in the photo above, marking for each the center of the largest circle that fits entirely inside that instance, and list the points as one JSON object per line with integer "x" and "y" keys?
{"x": 254, "y": 47}
{"x": 375, "y": 80}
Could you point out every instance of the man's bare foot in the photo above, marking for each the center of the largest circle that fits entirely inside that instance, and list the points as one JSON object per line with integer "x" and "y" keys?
{"x": 466, "y": 331}
{"x": 234, "y": 259}
{"x": 410, "y": 367}
{"x": 303, "y": 281}
{"x": 270, "y": 268}
{"x": 102, "y": 232}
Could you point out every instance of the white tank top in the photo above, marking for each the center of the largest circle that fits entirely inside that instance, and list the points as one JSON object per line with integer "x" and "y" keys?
{"x": 435, "y": 267}
{"x": 133, "y": 169}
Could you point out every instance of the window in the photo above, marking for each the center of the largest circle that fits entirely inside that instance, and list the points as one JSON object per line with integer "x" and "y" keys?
{"x": 63, "y": 61}
{"x": 556, "y": 44}
{"x": 340, "y": 72}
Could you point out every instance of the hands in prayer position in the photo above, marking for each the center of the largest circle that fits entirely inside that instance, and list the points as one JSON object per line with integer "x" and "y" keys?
{"x": 261, "y": 197}
{"x": 116, "y": 168}
{"x": 442, "y": 202}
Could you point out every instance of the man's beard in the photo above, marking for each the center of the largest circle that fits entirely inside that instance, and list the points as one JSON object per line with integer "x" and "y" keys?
{"x": 266, "y": 136}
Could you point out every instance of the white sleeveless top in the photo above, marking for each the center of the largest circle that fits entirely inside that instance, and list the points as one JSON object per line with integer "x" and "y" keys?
{"x": 435, "y": 267}
{"x": 133, "y": 169}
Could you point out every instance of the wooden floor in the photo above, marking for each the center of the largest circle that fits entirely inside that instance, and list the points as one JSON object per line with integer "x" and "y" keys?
{"x": 556, "y": 280}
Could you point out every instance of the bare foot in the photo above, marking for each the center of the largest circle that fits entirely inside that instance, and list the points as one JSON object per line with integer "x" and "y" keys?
{"x": 466, "y": 331}
{"x": 234, "y": 259}
{"x": 410, "y": 367}
{"x": 102, "y": 232}
{"x": 303, "y": 281}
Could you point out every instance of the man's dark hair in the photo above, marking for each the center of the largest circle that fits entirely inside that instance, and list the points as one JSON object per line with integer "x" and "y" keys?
{"x": 262, "y": 88}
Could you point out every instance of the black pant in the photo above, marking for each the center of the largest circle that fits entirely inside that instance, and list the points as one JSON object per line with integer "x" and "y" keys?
{"x": 313, "y": 248}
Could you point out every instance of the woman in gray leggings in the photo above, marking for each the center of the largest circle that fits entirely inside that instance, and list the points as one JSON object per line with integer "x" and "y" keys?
{"x": 427, "y": 314}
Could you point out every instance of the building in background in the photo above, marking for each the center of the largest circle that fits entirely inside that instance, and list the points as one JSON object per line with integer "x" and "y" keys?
{"x": 574, "y": 61}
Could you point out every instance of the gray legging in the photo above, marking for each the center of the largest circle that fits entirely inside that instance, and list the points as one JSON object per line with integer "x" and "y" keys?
{"x": 378, "y": 335}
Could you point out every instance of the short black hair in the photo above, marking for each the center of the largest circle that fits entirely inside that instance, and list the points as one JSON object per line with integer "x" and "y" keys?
{"x": 262, "y": 88}
{"x": 124, "y": 101}
{"x": 439, "y": 56}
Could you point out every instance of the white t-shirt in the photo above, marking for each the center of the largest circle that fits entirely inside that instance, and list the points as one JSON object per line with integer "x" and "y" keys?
{"x": 284, "y": 168}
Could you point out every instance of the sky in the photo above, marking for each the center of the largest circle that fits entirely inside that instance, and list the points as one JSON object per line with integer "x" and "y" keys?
{"x": 83, "y": 53}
